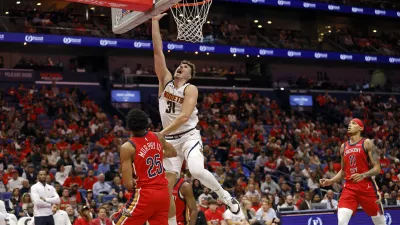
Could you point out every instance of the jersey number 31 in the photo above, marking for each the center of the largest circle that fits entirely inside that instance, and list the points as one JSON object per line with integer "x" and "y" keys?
{"x": 155, "y": 166}
{"x": 171, "y": 107}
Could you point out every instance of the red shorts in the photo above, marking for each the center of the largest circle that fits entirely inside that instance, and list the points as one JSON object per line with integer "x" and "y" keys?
{"x": 146, "y": 204}
{"x": 364, "y": 193}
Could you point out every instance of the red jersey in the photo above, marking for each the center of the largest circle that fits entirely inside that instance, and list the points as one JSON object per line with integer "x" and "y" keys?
{"x": 180, "y": 203}
{"x": 214, "y": 217}
{"x": 64, "y": 204}
{"x": 355, "y": 159}
{"x": 147, "y": 165}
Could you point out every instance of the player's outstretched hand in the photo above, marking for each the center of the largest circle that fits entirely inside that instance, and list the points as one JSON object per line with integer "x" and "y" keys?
{"x": 357, "y": 177}
{"x": 158, "y": 17}
{"x": 325, "y": 182}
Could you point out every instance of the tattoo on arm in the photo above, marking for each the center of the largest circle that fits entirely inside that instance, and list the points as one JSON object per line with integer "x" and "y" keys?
{"x": 374, "y": 158}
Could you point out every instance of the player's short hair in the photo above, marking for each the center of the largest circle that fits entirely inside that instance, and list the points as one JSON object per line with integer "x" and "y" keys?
{"x": 137, "y": 120}
{"x": 192, "y": 66}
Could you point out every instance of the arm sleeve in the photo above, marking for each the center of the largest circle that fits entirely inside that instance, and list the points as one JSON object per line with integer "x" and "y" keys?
{"x": 36, "y": 199}
{"x": 55, "y": 199}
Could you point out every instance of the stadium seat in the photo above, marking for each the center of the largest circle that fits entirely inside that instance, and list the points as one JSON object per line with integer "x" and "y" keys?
{"x": 108, "y": 198}
{"x": 6, "y": 195}
{"x": 83, "y": 192}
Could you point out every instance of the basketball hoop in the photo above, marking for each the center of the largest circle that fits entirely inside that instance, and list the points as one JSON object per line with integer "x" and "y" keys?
{"x": 190, "y": 18}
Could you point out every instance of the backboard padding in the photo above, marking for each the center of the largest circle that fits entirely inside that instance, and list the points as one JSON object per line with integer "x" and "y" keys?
{"x": 125, "y": 20}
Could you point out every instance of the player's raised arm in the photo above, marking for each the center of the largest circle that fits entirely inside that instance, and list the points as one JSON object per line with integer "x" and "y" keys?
{"x": 187, "y": 192}
{"x": 189, "y": 104}
{"x": 374, "y": 159}
{"x": 169, "y": 150}
{"x": 126, "y": 157}
{"x": 163, "y": 74}
{"x": 339, "y": 176}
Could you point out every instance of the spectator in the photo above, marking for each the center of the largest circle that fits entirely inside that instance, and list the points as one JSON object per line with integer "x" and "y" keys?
{"x": 60, "y": 216}
{"x": 248, "y": 211}
{"x": 62, "y": 173}
{"x": 90, "y": 180}
{"x": 206, "y": 194}
{"x": 117, "y": 186}
{"x": 71, "y": 214}
{"x": 3, "y": 186}
{"x": 331, "y": 203}
{"x": 288, "y": 203}
{"x": 212, "y": 215}
{"x": 102, "y": 218}
{"x": 65, "y": 200}
{"x": 25, "y": 187}
{"x": 104, "y": 167}
{"x": 84, "y": 217}
{"x": 30, "y": 174}
{"x": 266, "y": 214}
{"x": 252, "y": 192}
{"x": 101, "y": 187}
{"x": 306, "y": 203}
{"x": 270, "y": 185}
{"x": 73, "y": 179}
{"x": 235, "y": 219}
{"x": 15, "y": 181}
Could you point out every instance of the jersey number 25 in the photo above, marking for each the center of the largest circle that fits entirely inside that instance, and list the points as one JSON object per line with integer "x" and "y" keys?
{"x": 155, "y": 166}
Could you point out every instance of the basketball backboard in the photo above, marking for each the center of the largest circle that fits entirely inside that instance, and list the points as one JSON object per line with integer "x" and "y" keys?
{"x": 125, "y": 20}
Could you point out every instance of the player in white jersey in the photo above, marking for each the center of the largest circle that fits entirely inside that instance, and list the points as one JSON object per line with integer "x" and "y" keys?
{"x": 177, "y": 104}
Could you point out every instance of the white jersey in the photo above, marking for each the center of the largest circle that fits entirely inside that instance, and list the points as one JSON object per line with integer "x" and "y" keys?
{"x": 170, "y": 105}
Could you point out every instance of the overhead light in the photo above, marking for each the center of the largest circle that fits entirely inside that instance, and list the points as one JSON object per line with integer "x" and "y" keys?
{"x": 18, "y": 2}
{"x": 169, "y": 50}
{"x": 92, "y": 8}
{"x": 374, "y": 31}
{"x": 329, "y": 27}
{"x": 196, "y": 53}
{"x": 39, "y": 3}
{"x": 248, "y": 56}
{"x": 269, "y": 22}
{"x": 329, "y": 31}
{"x": 258, "y": 56}
{"x": 24, "y": 43}
{"x": 322, "y": 34}
{"x": 207, "y": 53}
{"x": 208, "y": 22}
{"x": 234, "y": 55}
{"x": 6, "y": 13}
{"x": 260, "y": 26}
{"x": 255, "y": 21}
{"x": 282, "y": 89}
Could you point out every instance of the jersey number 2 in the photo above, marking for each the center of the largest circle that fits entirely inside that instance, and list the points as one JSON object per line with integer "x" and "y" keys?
{"x": 154, "y": 162}
{"x": 352, "y": 160}
{"x": 171, "y": 107}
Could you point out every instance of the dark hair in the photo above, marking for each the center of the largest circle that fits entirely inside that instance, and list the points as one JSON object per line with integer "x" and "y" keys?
{"x": 192, "y": 66}
{"x": 137, "y": 120}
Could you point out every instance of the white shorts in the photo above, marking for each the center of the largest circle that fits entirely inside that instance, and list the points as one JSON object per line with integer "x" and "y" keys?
{"x": 185, "y": 146}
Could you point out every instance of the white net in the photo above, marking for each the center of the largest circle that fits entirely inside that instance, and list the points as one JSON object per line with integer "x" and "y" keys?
{"x": 190, "y": 18}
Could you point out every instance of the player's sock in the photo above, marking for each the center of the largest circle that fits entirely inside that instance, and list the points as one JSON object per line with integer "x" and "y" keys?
{"x": 379, "y": 220}
{"x": 172, "y": 221}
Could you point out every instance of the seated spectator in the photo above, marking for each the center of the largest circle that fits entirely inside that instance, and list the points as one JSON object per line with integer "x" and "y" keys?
{"x": 288, "y": 203}
{"x": 104, "y": 167}
{"x": 3, "y": 186}
{"x": 102, "y": 217}
{"x": 71, "y": 214}
{"x": 235, "y": 219}
{"x": 62, "y": 174}
{"x": 75, "y": 194}
{"x": 90, "y": 180}
{"x": 306, "y": 203}
{"x": 65, "y": 200}
{"x": 270, "y": 185}
{"x": 25, "y": 187}
{"x": 266, "y": 214}
{"x": 252, "y": 192}
{"x": 117, "y": 186}
{"x": 212, "y": 215}
{"x": 84, "y": 217}
{"x": 60, "y": 216}
{"x": 101, "y": 187}
{"x": 331, "y": 203}
{"x": 15, "y": 181}
{"x": 206, "y": 194}
{"x": 73, "y": 179}
{"x": 30, "y": 174}
{"x": 248, "y": 211}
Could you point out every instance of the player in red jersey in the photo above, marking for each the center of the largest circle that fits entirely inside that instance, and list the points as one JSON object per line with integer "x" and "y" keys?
{"x": 143, "y": 172}
{"x": 184, "y": 201}
{"x": 360, "y": 165}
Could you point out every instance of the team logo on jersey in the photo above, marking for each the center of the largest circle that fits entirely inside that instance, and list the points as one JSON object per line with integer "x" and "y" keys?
{"x": 315, "y": 221}
{"x": 173, "y": 98}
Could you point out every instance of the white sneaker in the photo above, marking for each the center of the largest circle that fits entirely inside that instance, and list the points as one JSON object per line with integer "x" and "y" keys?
{"x": 232, "y": 204}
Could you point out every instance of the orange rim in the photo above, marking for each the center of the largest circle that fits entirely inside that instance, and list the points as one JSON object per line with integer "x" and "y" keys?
{"x": 190, "y": 4}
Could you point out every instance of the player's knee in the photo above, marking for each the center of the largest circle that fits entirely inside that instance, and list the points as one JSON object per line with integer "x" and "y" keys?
{"x": 379, "y": 220}
{"x": 196, "y": 172}
{"x": 344, "y": 216}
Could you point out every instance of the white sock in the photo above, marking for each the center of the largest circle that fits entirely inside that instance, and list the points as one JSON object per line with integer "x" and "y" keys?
{"x": 379, "y": 220}
{"x": 172, "y": 221}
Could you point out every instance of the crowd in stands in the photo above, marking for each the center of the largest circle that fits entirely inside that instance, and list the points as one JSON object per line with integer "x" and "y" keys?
{"x": 382, "y": 4}
{"x": 268, "y": 157}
